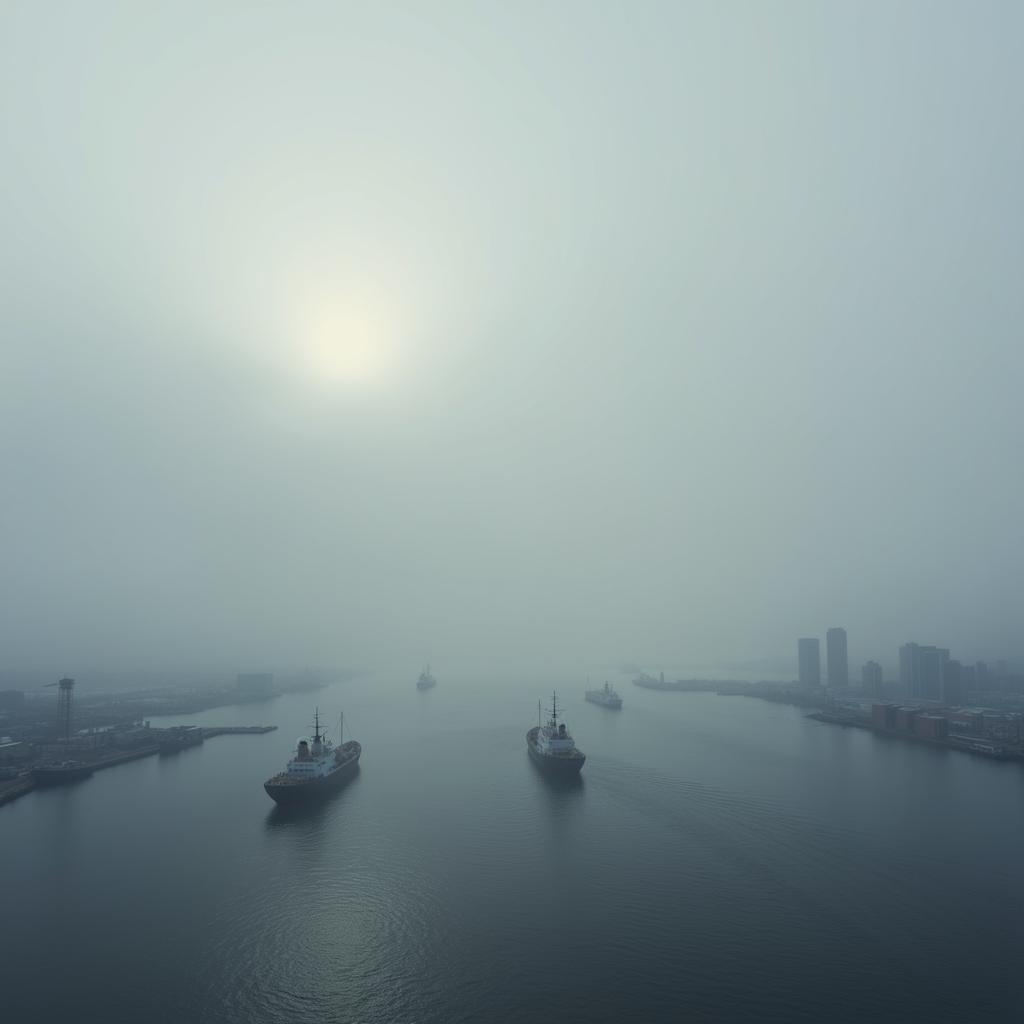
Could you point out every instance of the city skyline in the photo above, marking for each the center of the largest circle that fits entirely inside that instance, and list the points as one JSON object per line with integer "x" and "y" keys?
{"x": 923, "y": 671}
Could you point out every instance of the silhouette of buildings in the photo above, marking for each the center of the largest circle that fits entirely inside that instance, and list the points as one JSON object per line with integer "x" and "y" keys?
{"x": 871, "y": 678}
{"x": 953, "y": 689}
{"x": 923, "y": 671}
{"x": 64, "y": 694}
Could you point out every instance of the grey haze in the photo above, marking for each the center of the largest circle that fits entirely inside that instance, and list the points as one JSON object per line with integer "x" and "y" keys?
{"x": 702, "y": 329}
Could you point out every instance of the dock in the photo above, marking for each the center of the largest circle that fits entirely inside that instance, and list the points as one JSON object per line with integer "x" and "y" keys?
{"x": 237, "y": 730}
{"x": 13, "y": 788}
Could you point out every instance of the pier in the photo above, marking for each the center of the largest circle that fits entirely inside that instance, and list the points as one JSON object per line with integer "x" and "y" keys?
{"x": 11, "y": 789}
{"x": 236, "y": 730}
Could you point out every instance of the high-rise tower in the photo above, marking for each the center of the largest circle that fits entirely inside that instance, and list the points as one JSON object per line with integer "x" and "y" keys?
{"x": 922, "y": 671}
{"x": 871, "y": 676}
{"x": 66, "y": 688}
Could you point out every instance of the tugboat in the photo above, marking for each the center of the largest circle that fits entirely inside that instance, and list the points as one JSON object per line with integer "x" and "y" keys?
{"x": 56, "y": 774}
{"x": 607, "y": 698}
{"x": 317, "y": 768}
{"x": 551, "y": 746}
{"x": 426, "y": 680}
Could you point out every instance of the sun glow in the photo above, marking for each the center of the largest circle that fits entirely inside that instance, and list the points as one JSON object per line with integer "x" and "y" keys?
{"x": 346, "y": 347}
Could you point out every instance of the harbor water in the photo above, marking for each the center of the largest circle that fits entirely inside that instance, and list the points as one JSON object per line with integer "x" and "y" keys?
{"x": 720, "y": 859}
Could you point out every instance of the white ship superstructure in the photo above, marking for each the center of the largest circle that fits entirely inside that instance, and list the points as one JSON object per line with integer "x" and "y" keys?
{"x": 606, "y": 697}
{"x": 314, "y": 757}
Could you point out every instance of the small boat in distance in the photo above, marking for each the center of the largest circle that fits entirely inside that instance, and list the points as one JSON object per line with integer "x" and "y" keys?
{"x": 551, "y": 747}
{"x": 317, "y": 768}
{"x": 426, "y": 680}
{"x": 606, "y": 697}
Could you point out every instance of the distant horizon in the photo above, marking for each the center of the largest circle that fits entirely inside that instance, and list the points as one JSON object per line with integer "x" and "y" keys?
{"x": 767, "y": 669}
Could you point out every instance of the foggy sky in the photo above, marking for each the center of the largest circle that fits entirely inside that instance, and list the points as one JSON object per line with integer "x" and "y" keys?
{"x": 681, "y": 330}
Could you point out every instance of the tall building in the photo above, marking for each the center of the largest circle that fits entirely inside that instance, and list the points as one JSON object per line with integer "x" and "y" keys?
{"x": 953, "y": 684}
{"x": 922, "y": 671}
{"x": 67, "y": 688}
{"x": 933, "y": 672}
{"x": 871, "y": 677}
{"x": 809, "y": 658}
{"x": 835, "y": 656}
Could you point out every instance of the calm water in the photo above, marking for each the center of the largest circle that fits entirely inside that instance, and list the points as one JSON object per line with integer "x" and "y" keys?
{"x": 723, "y": 859}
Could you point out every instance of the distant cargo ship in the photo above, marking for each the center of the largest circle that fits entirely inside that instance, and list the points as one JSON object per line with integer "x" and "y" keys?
{"x": 317, "y": 768}
{"x": 426, "y": 680}
{"x": 606, "y": 697}
{"x": 552, "y": 748}
{"x": 60, "y": 773}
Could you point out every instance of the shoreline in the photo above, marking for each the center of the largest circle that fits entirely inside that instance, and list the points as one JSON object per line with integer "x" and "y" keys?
{"x": 24, "y": 784}
{"x": 960, "y": 744}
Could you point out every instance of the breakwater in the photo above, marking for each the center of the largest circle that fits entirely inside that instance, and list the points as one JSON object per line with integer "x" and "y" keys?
{"x": 13, "y": 788}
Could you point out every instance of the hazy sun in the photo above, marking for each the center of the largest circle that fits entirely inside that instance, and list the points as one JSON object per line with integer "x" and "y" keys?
{"x": 346, "y": 347}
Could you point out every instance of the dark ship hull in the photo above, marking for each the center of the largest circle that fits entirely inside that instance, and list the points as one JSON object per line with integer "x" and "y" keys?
{"x": 556, "y": 765}
{"x": 288, "y": 791}
{"x": 59, "y": 775}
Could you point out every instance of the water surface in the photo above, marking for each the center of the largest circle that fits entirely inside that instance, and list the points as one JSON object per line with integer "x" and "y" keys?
{"x": 721, "y": 859}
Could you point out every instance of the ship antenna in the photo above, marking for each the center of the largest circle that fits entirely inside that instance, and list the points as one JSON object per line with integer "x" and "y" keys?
{"x": 316, "y": 725}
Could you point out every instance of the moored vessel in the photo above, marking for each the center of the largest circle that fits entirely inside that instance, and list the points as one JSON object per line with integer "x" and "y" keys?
{"x": 551, "y": 746}
{"x": 58, "y": 773}
{"x": 606, "y": 697}
{"x": 316, "y": 769}
{"x": 180, "y": 737}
